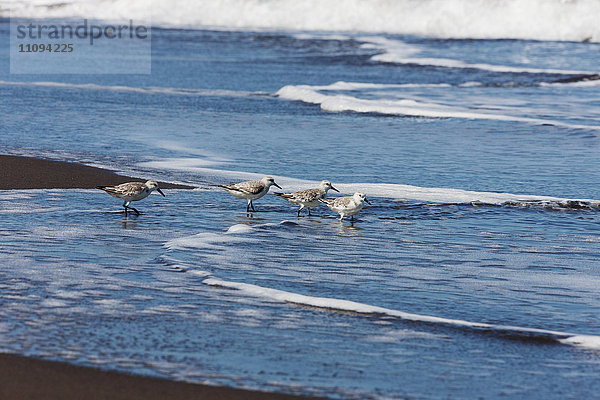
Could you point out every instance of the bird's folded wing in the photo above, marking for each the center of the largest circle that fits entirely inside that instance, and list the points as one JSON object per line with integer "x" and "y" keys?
{"x": 308, "y": 194}
{"x": 341, "y": 201}
{"x": 252, "y": 187}
{"x": 125, "y": 189}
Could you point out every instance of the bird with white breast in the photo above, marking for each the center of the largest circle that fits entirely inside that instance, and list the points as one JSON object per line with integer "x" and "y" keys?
{"x": 132, "y": 191}
{"x": 250, "y": 190}
{"x": 349, "y": 205}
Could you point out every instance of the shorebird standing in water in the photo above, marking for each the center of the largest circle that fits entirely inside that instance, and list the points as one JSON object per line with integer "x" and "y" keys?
{"x": 131, "y": 191}
{"x": 250, "y": 190}
{"x": 308, "y": 198}
{"x": 349, "y": 205}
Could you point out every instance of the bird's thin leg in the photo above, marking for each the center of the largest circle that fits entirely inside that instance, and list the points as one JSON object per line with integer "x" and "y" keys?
{"x": 352, "y": 218}
{"x": 248, "y": 206}
{"x": 252, "y": 205}
{"x": 300, "y": 209}
{"x": 309, "y": 212}
{"x": 126, "y": 205}
{"x": 341, "y": 217}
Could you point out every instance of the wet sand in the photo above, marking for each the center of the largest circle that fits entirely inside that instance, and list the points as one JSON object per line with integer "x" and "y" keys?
{"x": 24, "y": 378}
{"x": 33, "y": 173}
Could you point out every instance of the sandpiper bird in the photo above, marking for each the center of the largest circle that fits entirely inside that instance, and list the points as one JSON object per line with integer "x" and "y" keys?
{"x": 308, "y": 198}
{"x": 349, "y": 205}
{"x": 250, "y": 190}
{"x": 131, "y": 191}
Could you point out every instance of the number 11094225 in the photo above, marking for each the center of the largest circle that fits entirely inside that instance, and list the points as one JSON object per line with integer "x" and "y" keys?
{"x": 46, "y": 48}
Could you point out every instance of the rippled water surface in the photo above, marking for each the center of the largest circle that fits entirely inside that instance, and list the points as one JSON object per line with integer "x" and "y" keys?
{"x": 473, "y": 274}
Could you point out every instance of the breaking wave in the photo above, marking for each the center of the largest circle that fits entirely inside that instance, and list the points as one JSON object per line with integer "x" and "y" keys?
{"x": 557, "y": 20}
{"x": 342, "y": 97}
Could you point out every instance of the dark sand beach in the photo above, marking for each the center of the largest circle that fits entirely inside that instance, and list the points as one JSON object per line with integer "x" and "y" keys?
{"x": 34, "y": 173}
{"x": 23, "y": 378}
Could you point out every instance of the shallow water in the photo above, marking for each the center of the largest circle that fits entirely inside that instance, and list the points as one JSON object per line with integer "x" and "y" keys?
{"x": 85, "y": 284}
{"x": 470, "y": 169}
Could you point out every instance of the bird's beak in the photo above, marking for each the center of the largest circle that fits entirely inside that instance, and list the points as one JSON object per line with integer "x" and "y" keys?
{"x": 274, "y": 184}
{"x": 160, "y": 191}
{"x": 332, "y": 188}
{"x": 368, "y": 202}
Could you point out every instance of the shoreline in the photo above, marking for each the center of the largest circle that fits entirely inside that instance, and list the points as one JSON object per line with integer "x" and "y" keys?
{"x": 23, "y": 377}
{"x": 20, "y": 172}
{"x": 30, "y": 378}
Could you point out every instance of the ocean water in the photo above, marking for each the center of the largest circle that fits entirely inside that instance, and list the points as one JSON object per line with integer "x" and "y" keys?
{"x": 475, "y": 273}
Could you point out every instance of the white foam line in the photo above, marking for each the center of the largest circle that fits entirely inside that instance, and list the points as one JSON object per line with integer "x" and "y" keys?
{"x": 398, "y": 52}
{"x": 450, "y": 63}
{"x": 447, "y": 195}
{"x": 180, "y": 163}
{"x": 344, "y": 85}
{"x": 147, "y": 90}
{"x": 384, "y": 190}
{"x": 531, "y": 19}
{"x": 24, "y": 209}
{"x": 582, "y": 83}
{"x": 587, "y": 341}
{"x": 407, "y": 107}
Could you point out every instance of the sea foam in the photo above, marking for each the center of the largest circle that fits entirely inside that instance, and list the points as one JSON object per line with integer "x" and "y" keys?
{"x": 397, "y": 52}
{"x": 564, "y": 20}
{"x": 403, "y": 192}
{"x": 331, "y": 98}
{"x": 585, "y": 341}
{"x": 343, "y": 97}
